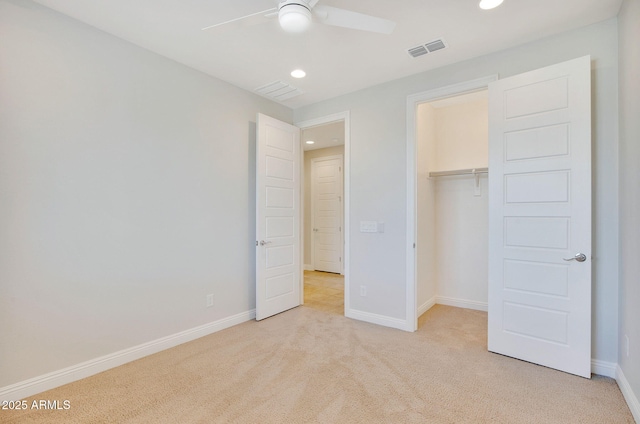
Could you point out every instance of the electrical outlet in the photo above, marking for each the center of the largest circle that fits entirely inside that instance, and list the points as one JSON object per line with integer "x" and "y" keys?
{"x": 363, "y": 291}
{"x": 626, "y": 338}
{"x": 209, "y": 300}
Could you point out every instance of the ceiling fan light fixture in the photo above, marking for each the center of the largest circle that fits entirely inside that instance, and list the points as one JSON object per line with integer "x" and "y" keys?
{"x": 489, "y": 4}
{"x": 294, "y": 17}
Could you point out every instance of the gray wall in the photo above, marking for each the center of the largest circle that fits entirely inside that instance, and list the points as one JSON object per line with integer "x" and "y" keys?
{"x": 378, "y": 170}
{"x": 127, "y": 194}
{"x": 629, "y": 34}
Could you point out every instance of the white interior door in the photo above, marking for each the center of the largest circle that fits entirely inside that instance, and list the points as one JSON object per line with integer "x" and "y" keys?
{"x": 326, "y": 187}
{"x": 540, "y": 217}
{"x": 278, "y": 269}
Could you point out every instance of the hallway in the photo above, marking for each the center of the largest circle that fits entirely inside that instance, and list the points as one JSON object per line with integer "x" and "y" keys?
{"x": 324, "y": 291}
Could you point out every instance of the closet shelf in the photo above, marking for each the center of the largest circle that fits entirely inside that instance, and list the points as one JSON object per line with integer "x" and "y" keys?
{"x": 472, "y": 171}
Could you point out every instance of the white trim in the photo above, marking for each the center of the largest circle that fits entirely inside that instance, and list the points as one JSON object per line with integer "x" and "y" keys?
{"x": 627, "y": 392}
{"x": 385, "y": 321}
{"x": 462, "y": 303}
{"x": 308, "y": 267}
{"x": 82, "y": 370}
{"x": 411, "y": 237}
{"x": 426, "y": 306}
{"x": 603, "y": 368}
{"x": 341, "y": 116}
{"x": 328, "y": 119}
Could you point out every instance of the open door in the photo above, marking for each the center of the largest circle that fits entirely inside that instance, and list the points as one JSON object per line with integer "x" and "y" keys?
{"x": 278, "y": 269}
{"x": 540, "y": 217}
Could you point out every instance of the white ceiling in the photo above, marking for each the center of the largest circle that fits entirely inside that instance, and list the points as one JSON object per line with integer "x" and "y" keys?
{"x": 327, "y": 135}
{"x": 337, "y": 60}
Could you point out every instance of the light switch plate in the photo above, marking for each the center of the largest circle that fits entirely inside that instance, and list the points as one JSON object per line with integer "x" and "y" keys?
{"x": 368, "y": 227}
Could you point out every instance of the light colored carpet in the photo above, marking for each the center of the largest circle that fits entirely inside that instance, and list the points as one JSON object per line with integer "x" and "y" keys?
{"x": 309, "y": 366}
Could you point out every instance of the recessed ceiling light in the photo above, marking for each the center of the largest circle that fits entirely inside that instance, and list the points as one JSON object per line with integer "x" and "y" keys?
{"x": 489, "y": 4}
{"x": 298, "y": 73}
{"x": 310, "y": 142}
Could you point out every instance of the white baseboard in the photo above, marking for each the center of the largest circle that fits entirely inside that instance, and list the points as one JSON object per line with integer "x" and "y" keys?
{"x": 77, "y": 372}
{"x": 308, "y": 267}
{"x": 426, "y": 306}
{"x": 606, "y": 369}
{"x": 462, "y": 303}
{"x": 385, "y": 321}
{"x": 629, "y": 395}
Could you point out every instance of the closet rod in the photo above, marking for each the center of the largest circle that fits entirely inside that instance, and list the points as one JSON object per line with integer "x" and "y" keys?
{"x": 472, "y": 171}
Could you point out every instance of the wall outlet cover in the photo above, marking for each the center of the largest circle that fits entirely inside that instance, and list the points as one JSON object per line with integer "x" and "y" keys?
{"x": 368, "y": 227}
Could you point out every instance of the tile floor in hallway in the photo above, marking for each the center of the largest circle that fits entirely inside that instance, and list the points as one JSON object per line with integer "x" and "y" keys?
{"x": 324, "y": 291}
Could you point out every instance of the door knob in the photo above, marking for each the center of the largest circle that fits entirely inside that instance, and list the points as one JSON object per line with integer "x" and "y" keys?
{"x": 262, "y": 242}
{"x": 580, "y": 257}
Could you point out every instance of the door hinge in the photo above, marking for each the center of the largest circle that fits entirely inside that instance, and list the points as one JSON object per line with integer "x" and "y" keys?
{"x": 340, "y": 259}
{"x": 339, "y": 169}
{"x": 414, "y": 245}
{"x": 339, "y": 229}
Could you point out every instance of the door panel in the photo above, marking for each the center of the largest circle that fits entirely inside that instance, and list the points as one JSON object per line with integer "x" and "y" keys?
{"x": 327, "y": 214}
{"x": 277, "y": 217}
{"x": 537, "y": 143}
{"x": 540, "y": 214}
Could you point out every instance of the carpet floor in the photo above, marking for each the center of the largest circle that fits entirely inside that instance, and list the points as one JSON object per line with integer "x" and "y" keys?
{"x": 309, "y": 366}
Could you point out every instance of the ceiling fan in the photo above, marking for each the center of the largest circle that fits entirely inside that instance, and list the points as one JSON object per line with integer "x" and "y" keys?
{"x": 296, "y": 16}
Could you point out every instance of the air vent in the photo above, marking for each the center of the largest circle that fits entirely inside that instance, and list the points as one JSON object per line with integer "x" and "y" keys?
{"x": 418, "y": 51}
{"x": 435, "y": 45}
{"x": 279, "y": 91}
{"x": 430, "y": 47}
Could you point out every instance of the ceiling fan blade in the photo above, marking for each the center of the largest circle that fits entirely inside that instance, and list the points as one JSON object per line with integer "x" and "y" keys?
{"x": 244, "y": 21}
{"x": 312, "y": 3}
{"x": 353, "y": 20}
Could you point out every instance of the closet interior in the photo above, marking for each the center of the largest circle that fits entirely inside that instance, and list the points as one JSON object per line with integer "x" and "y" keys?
{"x": 452, "y": 202}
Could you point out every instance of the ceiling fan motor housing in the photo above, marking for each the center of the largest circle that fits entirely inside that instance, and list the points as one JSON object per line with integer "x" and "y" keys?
{"x": 294, "y": 16}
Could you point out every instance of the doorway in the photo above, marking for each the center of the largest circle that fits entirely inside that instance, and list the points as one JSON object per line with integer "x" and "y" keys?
{"x": 421, "y": 296}
{"x": 452, "y": 150}
{"x": 325, "y": 177}
{"x": 539, "y": 229}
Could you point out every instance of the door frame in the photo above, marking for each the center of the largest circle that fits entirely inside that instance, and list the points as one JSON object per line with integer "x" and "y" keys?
{"x": 413, "y": 101}
{"x": 328, "y": 119}
{"x": 313, "y": 208}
